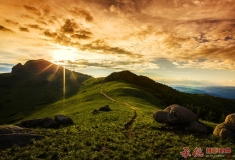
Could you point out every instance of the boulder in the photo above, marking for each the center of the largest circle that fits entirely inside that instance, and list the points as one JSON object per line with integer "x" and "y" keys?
{"x": 95, "y": 111}
{"x": 49, "y": 123}
{"x": 64, "y": 120}
{"x": 227, "y": 129}
{"x": 11, "y": 129}
{"x": 175, "y": 114}
{"x": 197, "y": 127}
{"x": 31, "y": 123}
{"x": 230, "y": 122}
{"x": 105, "y": 108}
{"x": 222, "y": 131}
{"x": 11, "y": 135}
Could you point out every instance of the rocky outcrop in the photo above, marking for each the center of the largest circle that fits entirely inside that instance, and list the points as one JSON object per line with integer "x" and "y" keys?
{"x": 47, "y": 122}
{"x": 31, "y": 123}
{"x": 12, "y": 129}
{"x": 227, "y": 128}
{"x": 105, "y": 108}
{"x": 95, "y": 111}
{"x": 64, "y": 120}
{"x": 178, "y": 117}
{"x": 14, "y": 135}
{"x": 175, "y": 114}
{"x": 102, "y": 109}
{"x": 230, "y": 122}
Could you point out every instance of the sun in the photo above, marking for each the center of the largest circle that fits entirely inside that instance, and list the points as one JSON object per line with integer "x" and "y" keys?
{"x": 64, "y": 53}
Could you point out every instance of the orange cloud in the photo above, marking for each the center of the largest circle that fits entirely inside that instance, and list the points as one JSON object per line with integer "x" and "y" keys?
{"x": 32, "y": 10}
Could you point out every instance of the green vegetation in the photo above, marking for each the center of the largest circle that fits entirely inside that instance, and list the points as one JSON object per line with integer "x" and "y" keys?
{"x": 104, "y": 135}
{"x": 27, "y": 92}
{"x": 200, "y": 104}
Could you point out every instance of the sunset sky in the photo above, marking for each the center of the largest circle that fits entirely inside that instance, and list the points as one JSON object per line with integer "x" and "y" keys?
{"x": 187, "y": 42}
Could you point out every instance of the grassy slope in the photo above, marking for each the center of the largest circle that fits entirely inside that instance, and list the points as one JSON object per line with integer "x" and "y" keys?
{"x": 103, "y": 136}
{"x": 21, "y": 95}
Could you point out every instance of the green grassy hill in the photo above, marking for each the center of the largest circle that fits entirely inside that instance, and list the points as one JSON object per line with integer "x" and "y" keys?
{"x": 126, "y": 132}
{"x": 206, "y": 107}
{"x": 32, "y": 86}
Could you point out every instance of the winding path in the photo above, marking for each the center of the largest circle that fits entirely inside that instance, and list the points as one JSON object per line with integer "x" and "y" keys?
{"x": 128, "y": 125}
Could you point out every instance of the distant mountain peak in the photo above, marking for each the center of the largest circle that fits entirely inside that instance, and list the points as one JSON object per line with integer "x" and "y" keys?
{"x": 34, "y": 66}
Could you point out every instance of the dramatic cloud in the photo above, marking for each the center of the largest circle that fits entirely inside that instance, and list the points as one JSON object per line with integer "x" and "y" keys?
{"x": 11, "y": 22}
{"x": 32, "y": 10}
{"x": 80, "y": 36}
{"x": 81, "y": 13}
{"x": 102, "y": 46}
{"x": 69, "y": 26}
{"x": 2, "y": 28}
{"x": 35, "y": 26}
{"x": 23, "y": 29}
{"x": 133, "y": 65}
{"x": 188, "y": 34}
{"x": 26, "y": 16}
{"x": 50, "y": 34}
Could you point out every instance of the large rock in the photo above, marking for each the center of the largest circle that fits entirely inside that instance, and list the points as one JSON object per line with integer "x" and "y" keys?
{"x": 31, "y": 123}
{"x": 230, "y": 122}
{"x": 222, "y": 131}
{"x": 11, "y": 129}
{"x": 227, "y": 129}
{"x": 175, "y": 114}
{"x": 49, "y": 123}
{"x": 11, "y": 135}
{"x": 179, "y": 118}
{"x": 64, "y": 120}
{"x": 105, "y": 108}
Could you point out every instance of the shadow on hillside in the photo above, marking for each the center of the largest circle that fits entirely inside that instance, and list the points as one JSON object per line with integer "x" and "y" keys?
{"x": 33, "y": 86}
{"x": 182, "y": 132}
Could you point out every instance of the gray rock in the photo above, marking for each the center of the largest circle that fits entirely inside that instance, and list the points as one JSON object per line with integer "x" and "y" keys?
{"x": 11, "y": 129}
{"x": 31, "y": 123}
{"x": 49, "y": 123}
{"x": 64, "y": 120}
{"x": 105, "y": 108}
{"x": 95, "y": 111}
{"x": 175, "y": 114}
{"x": 222, "y": 131}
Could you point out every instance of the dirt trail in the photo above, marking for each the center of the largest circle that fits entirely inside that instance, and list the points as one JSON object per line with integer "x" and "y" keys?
{"x": 128, "y": 125}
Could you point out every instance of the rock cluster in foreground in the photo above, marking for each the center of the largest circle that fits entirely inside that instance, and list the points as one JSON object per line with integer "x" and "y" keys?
{"x": 178, "y": 117}
{"x": 227, "y": 128}
{"x": 11, "y": 135}
{"x": 47, "y": 122}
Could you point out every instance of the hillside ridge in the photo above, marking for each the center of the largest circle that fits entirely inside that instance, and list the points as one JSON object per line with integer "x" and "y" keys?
{"x": 205, "y": 106}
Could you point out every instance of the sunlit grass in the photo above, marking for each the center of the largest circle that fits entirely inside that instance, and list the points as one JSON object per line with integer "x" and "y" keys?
{"x": 103, "y": 136}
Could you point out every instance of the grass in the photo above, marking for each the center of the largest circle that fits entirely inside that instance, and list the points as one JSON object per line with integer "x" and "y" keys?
{"x": 104, "y": 136}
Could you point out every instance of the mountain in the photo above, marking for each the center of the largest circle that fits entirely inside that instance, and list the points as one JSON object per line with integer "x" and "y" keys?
{"x": 127, "y": 131}
{"x": 190, "y": 90}
{"x": 217, "y": 91}
{"x": 32, "y": 85}
{"x": 201, "y": 104}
